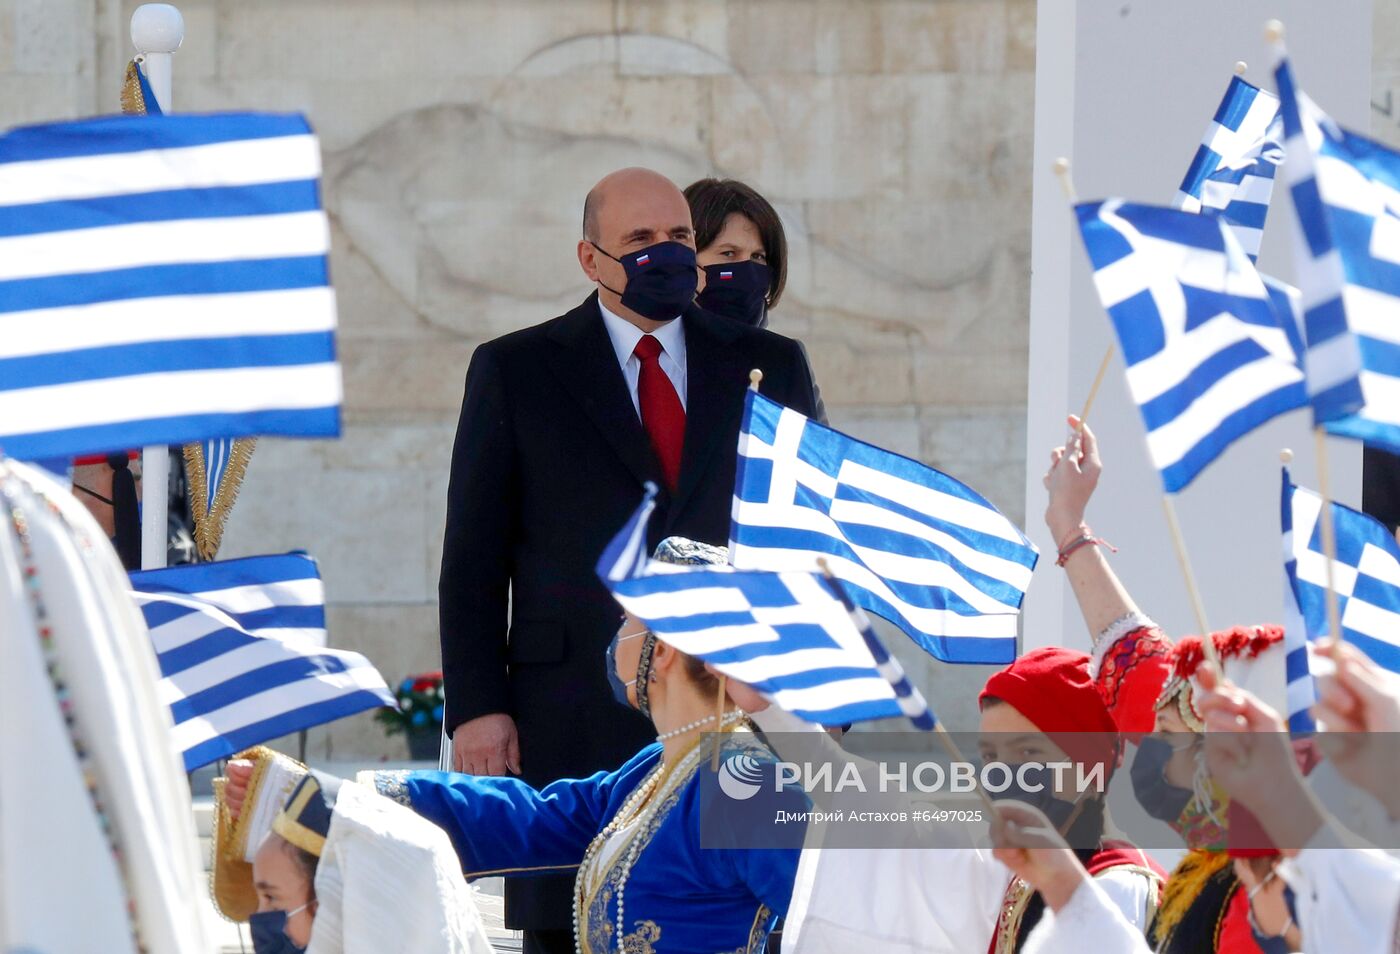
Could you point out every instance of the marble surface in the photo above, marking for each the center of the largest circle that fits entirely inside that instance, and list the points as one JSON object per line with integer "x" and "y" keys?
{"x": 460, "y": 137}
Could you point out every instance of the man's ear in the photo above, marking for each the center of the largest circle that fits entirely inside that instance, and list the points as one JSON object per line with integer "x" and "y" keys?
{"x": 587, "y": 259}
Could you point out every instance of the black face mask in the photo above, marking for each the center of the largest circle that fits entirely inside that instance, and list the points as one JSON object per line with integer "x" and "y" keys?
{"x": 661, "y": 280}
{"x": 1158, "y": 797}
{"x": 126, "y": 513}
{"x": 643, "y": 678}
{"x": 1081, "y": 822}
{"x": 269, "y": 930}
{"x": 1055, "y": 809}
{"x": 737, "y": 290}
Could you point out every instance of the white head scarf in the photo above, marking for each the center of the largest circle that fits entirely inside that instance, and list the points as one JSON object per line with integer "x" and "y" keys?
{"x": 389, "y": 880}
{"x": 61, "y": 888}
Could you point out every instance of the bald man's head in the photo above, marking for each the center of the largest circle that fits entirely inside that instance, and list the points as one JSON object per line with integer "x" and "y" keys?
{"x": 628, "y": 194}
{"x": 626, "y": 212}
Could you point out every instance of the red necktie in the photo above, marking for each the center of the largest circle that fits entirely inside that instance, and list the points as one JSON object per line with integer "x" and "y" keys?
{"x": 662, "y": 414}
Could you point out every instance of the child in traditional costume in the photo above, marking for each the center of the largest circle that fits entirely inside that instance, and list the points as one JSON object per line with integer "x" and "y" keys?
{"x": 318, "y": 864}
{"x": 943, "y": 893}
{"x": 643, "y": 879}
{"x": 1147, "y": 683}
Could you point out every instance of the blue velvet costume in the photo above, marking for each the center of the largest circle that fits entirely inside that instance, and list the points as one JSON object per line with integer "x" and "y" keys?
{"x": 679, "y": 897}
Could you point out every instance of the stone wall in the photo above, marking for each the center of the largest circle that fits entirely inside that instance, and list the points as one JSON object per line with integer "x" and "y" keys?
{"x": 893, "y": 135}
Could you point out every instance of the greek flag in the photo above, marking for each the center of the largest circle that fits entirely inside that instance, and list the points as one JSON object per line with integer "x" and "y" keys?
{"x": 1346, "y": 190}
{"x": 1210, "y": 348}
{"x": 1233, "y": 170}
{"x": 163, "y": 280}
{"x": 792, "y": 636}
{"x": 907, "y": 542}
{"x": 241, "y": 646}
{"x": 1366, "y": 575}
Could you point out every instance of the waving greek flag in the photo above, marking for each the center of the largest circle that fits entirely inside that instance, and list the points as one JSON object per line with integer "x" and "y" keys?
{"x": 1367, "y": 579}
{"x": 1210, "y": 348}
{"x": 1233, "y": 170}
{"x": 241, "y": 646}
{"x": 1346, "y": 190}
{"x": 907, "y": 542}
{"x": 793, "y": 636}
{"x": 163, "y": 280}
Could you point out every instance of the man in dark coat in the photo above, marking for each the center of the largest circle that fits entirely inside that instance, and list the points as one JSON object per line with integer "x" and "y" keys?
{"x": 562, "y": 425}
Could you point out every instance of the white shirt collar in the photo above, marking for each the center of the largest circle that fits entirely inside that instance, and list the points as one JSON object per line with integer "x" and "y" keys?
{"x": 625, "y": 335}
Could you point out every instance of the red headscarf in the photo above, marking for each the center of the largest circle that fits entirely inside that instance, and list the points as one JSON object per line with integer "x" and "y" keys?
{"x": 1053, "y": 688}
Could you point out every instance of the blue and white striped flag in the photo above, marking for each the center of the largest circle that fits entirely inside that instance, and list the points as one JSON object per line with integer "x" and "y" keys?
{"x": 908, "y": 542}
{"x": 1297, "y": 641}
{"x": 241, "y": 646}
{"x": 163, "y": 280}
{"x": 792, "y": 636}
{"x": 1210, "y": 353}
{"x": 1346, "y": 190}
{"x": 1234, "y": 167}
{"x": 1366, "y": 574}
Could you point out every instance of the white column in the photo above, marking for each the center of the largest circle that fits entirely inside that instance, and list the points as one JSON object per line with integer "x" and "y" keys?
{"x": 1125, "y": 90}
{"x": 157, "y": 29}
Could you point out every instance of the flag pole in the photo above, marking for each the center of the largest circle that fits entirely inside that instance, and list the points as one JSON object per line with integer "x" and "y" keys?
{"x": 719, "y": 721}
{"x": 1329, "y": 532}
{"x": 1189, "y": 575}
{"x": 1062, "y": 173}
{"x": 755, "y": 377}
{"x": 157, "y": 30}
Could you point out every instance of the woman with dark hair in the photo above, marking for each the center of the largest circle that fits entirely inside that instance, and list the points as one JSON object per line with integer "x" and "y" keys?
{"x": 742, "y": 254}
{"x": 742, "y": 250}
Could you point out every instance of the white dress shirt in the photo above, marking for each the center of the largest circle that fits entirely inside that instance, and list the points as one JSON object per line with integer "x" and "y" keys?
{"x": 625, "y": 335}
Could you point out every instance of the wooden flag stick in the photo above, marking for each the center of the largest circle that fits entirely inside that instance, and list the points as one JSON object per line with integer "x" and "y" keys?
{"x": 1062, "y": 173}
{"x": 719, "y": 722}
{"x": 1241, "y": 67}
{"x": 954, "y": 753}
{"x": 1329, "y": 533}
{"x": 755, "y": 379}
{"x": 1207, "y": 644}
{"x": 1094, "y": 388}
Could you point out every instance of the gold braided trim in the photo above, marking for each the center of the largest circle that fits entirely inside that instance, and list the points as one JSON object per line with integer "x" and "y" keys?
{"x": 133, "y": 102}
{"x": 1014, "y": 902}
{"x": 209, "y": 523}
{"x": 287, "y": 825}
{"x": 231, "y": 876}
{"x": 1184, "y": 886}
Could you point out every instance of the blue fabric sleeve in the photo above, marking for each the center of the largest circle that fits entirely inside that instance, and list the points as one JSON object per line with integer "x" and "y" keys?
{"x": 739, "y": 842}
{"x": 502, "y": 826}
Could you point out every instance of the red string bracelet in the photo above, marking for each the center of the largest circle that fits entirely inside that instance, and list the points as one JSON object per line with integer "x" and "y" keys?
{"x": 1085, "y": 538}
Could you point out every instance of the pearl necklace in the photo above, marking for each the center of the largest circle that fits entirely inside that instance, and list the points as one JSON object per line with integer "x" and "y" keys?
{"x": 729, "y": 719}
{"x": 637, "y": 805}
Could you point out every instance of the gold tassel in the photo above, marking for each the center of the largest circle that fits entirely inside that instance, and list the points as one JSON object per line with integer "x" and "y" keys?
{"x": 133, "y": 103}
{"x": 209, "y": 523}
